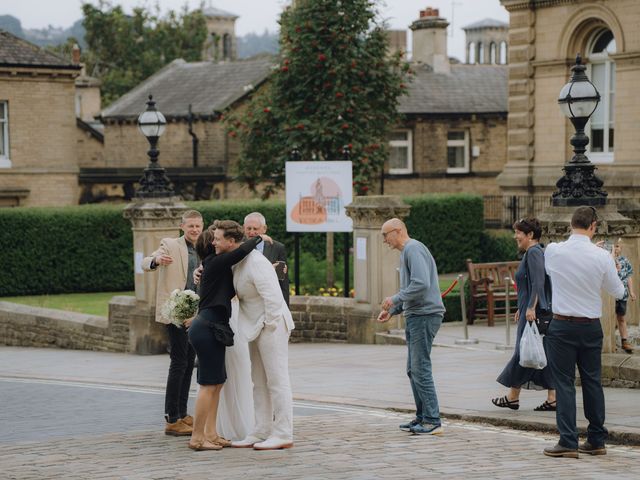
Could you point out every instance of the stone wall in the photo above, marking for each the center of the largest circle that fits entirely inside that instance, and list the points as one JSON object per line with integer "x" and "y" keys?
{"x": 42, "y": 135}
{"x": 317, "y": 319}
{"x": 26, "y": 326}
{"x": 487, "y": 132}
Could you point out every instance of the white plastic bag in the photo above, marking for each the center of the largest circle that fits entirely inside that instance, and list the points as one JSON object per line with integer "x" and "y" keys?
{"x": 531, "y": 348}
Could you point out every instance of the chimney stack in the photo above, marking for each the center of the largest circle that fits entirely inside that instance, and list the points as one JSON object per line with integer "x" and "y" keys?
{"x": 75, "y": 54}
{"x": 430, "y": 40}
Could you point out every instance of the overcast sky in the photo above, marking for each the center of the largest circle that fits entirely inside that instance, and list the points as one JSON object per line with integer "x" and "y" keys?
{"x": 258, "y": 15}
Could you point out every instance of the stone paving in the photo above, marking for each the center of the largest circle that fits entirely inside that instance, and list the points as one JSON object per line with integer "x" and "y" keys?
{"x": 363, "y": 444}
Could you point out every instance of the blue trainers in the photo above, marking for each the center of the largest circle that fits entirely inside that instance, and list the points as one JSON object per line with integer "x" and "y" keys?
{"x": 407, "y": 426}
{"x": 427, "y": 429}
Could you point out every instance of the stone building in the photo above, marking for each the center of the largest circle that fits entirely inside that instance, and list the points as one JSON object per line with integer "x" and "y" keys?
{"x": 455, "y": 130}
{"x": 38, "y": 132}
{"x": 487, "y": 42}
{"x": 194, "y": 148}
{"x": 544, "y": 38}
{"x": 221, "y": 43}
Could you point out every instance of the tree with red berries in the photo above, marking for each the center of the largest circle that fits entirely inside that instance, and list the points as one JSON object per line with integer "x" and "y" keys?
{"x": 336, "y": 85}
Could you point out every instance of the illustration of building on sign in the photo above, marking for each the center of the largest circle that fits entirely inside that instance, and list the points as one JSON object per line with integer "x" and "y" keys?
{"x": 323, "y": 203}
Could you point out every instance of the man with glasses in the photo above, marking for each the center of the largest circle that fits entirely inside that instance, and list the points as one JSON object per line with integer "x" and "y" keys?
{"x": 579, "y": 270}
{"x": 419, "y": 299}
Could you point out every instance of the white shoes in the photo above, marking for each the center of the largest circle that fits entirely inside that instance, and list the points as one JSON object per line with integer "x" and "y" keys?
{"x": 273, "y": 443}
{"x": 248, "y": 442}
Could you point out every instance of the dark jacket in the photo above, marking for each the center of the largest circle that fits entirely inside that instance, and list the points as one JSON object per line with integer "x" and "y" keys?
{"x": 276, "y": 252}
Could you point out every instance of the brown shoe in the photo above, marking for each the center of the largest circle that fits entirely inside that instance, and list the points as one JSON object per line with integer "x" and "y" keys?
{"x": 586, "y": 447}
{"x": 560, "y": 451}
{"x": 188, "y": 420}
{"x": 627, "y": 347}
{"x": 178, "y": 429}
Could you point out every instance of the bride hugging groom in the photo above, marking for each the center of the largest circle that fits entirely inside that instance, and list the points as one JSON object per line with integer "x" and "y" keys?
{"x": 262, "y": 324}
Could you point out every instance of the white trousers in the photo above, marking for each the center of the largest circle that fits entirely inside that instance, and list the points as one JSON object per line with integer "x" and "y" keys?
{"x": 272, "y": 397}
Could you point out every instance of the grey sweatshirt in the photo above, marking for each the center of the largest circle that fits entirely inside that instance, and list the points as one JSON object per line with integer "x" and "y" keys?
{"x": 419, "y": 288}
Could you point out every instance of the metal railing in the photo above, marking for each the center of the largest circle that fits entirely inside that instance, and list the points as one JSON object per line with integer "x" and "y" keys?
{"x": 502, "y": 211}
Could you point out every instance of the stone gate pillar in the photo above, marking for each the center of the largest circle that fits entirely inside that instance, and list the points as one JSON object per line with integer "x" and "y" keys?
{"x": 151, "y": 221}
{"x": 556, "y": 227}
{"x": 375, "y": 264}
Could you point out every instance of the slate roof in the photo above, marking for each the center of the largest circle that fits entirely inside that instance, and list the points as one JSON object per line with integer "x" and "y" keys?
{"x": 466, "y": 89}
{"x": 17, "y": 52}
{"x": 210, "y": 87}
{"x": 486, "y": 23}
{"x": 216, "y": 12}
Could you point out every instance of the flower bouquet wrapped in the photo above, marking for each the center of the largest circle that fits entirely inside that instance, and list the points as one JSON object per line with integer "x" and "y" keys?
{"x": 181, "y": 305}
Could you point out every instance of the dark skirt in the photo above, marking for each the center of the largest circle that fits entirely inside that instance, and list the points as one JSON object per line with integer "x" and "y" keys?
{"x": 516, "y": 376}
{"x": 210, "y": 352}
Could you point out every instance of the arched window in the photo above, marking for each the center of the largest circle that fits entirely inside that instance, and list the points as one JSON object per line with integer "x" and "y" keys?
{"x": 492, "y": 53}
{"x": 503, "y": 53}
{"x": 603, "y": 75}
{"x": 480, "y": 52}
{"x": 471, "y": 53}
{"x": 226, "y": 47}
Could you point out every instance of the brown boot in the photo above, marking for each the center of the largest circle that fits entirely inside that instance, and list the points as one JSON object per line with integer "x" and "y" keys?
{"x": 188, "y": 419}
{"x": 178, "y": 429}
{"x": 626, "y": 346}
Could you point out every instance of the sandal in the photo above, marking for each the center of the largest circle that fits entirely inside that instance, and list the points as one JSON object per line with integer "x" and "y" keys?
{"x": 504, "y": 402}
{"x": 204, "y": 445}
{"x": 546, "y": 407}
{"x": 223, "y": 442}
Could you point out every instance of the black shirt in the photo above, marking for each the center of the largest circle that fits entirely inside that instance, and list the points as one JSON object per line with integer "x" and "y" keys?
{"x": 216, "y": 285}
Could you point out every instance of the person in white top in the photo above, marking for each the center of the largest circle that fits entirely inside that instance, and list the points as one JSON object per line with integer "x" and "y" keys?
{"x": 579, "y": 270}
{"x": 265, "y": 322}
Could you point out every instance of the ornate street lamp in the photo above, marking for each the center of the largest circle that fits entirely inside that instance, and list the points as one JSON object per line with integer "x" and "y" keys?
{"x": 154, "y": 182}
{"x": 580, "y": 185}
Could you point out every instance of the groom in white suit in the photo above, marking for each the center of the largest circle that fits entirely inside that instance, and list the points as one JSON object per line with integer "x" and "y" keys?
{"x": 265, "y": 321}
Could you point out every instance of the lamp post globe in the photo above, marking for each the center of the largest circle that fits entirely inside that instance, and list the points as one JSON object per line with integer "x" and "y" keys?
{"x": 579, "y": 185}
{"x": 154, "y": 183}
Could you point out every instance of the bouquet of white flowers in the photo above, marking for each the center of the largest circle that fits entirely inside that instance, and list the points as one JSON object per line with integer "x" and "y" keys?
{"x": 181, "y": 304}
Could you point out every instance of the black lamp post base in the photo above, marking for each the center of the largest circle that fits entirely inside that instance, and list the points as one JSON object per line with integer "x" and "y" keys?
{"x": 154, "y": 183}
{"x": 579, "y": 186}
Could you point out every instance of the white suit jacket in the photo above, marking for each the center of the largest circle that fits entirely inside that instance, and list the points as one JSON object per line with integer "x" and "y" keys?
{"x": 260, "y": 296}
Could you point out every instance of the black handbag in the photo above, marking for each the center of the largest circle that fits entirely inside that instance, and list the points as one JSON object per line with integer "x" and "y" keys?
{"x": 543, "y": 319}
{"x": 222, "y": 333}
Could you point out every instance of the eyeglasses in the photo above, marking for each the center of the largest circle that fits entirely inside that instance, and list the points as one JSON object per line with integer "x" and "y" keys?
{"x": 384, "y": 234}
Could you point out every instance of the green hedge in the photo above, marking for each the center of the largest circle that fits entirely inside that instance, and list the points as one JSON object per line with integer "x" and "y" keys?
{"x": 90, "y": 248}
{"x": 60, "y": 250}
{"x": 451, "y": 226}
{"x": 497, "y": 246}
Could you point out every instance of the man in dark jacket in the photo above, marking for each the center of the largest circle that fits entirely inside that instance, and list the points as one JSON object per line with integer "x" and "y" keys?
{"x": 256, "y": 224}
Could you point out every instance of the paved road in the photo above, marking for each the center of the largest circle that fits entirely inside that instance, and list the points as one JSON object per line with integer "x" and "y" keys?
{"x": 54, "y": 429}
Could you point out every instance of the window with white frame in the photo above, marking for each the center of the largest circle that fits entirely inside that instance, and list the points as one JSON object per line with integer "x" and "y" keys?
{"x": 458, "y": 151}
{"x": 603, "y": 75}
{"x": 5, "y": 162}
{"x": 400, "y": 152}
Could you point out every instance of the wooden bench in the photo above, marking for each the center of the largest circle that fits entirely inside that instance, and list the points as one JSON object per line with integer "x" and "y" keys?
{"x": 486, "y": 284}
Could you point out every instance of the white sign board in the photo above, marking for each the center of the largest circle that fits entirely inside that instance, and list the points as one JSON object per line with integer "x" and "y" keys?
{"x": 317, "y": 193}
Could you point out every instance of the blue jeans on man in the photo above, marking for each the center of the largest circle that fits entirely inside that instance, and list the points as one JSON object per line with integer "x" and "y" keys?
{"x": 420, "y": 331}
{"x": 570, "y": 344}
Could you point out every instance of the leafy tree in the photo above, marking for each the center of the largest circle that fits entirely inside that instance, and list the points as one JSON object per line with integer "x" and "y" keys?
{"x": 336, "y": 84}
{"x": 126, "y": 49}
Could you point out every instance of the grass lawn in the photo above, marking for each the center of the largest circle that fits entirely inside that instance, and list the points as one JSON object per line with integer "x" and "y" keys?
{"x": 444, "y": 284}
{"x": 89, "y": 303}
{"x": 98, "y": 303}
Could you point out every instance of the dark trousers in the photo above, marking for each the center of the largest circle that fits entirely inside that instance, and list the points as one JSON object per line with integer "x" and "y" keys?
{"x": 182, "y": 358}
{"x": 570, "y": 344}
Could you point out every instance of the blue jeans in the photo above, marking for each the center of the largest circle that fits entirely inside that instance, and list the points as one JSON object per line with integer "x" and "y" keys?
{"x": 420, "y": 332}
{"x": 570, "y": 344}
